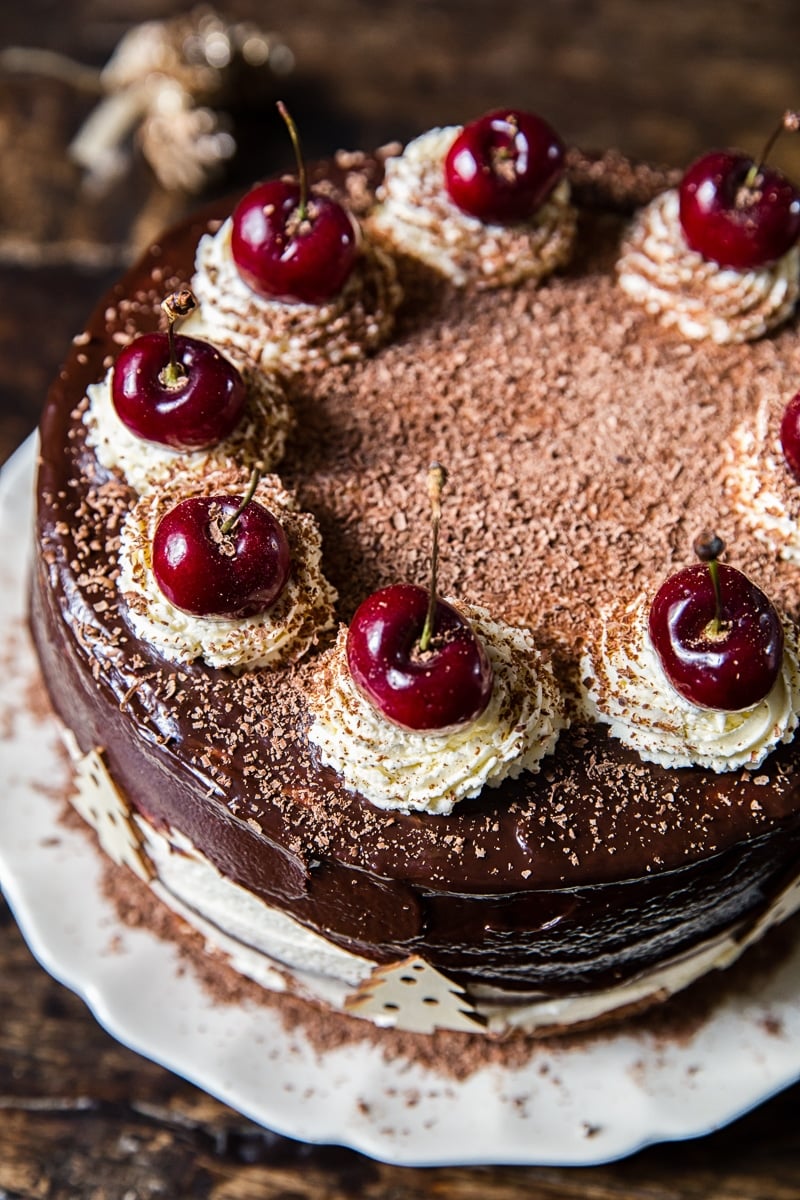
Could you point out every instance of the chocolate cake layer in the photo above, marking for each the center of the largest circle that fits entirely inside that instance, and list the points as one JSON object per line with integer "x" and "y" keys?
{"x": 583, "y": 445}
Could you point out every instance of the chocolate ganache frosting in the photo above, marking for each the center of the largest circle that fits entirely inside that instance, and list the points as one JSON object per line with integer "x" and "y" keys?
{"x": 585, "y": 446}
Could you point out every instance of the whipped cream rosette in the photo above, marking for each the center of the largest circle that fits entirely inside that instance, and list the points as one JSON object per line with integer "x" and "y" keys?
{"x": 415, "y": 216}
{"x": 759, "y": 484}
{"x": 292, "y": 336}
{"x": 700, "y": 299}
{"x": 626, "y": 688}
{"x": 258, "y": 439}
{"x": 431, "y": 772}
{"x": 278, "y": 636}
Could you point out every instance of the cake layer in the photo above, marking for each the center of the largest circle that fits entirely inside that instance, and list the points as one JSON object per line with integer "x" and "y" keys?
{"x": 584, "y": 446}
{"x": 270, "y": 947}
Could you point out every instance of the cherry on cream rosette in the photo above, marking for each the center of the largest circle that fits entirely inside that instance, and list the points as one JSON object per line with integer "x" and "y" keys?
{"x": 423, "y": 702}
{"x": 485, "y": 204}
{"x": 171, "y": 401}
{"x": 217, "y": 568}
{"x": 717, "y": 257}
{"x": 291, "y": 281}
{"x": 705, "y": 673}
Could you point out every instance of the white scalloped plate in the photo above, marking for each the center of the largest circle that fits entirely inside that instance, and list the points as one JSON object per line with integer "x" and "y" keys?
{"x": 572, "y": 1105}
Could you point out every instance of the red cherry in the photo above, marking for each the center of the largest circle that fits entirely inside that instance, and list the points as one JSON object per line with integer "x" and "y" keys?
{"x": 208, "y": 572}
{"x": 790, "y": 435}
{"x": 722, "y": 650}
{"x": 288, "y": 244}
{"x": 445, "y": 688}
{"x": 503, "y": 166}
{"x": 734, "y": 218}
{"x": 199, "y": 409}
{"x": 284, "y": 255}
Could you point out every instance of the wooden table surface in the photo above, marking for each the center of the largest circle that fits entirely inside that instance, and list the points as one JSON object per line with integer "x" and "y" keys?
{"x": 81, "y": 1116}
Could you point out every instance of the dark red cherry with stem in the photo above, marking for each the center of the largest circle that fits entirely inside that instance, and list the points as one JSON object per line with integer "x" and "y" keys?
{"x": 177, "y": 391}
{"x": 503, "y": 166}
{"x": 415, "y": 657}
{"x": 790, "y": 435}
{"x": 292, "y": 244}
{"x": 738, "y": 212}
{"x": 221, "y": 556}
{"x": 719, "y": 639}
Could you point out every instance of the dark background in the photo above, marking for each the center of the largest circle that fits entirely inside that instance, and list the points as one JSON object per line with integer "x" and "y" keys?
{"x": 662, "y": 80}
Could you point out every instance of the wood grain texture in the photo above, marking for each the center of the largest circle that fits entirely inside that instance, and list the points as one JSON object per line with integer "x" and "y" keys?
{"x": 83, "y": 1117}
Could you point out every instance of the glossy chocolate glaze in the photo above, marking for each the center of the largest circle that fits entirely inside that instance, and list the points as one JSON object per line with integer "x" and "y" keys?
{"x": 580, "y": 876}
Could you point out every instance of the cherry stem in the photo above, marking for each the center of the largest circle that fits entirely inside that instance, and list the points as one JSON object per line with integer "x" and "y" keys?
{"x": 176, "y": 305}
{"x": 302, "y": 174}
{"x": 229, "y": 525}
{"x": 789, "y": 122}
{"x": 437, "y": 478}
{"x": 708, "y": 548}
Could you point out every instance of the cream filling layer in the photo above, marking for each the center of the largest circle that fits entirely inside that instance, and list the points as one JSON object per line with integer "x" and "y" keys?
{"x": 428, "y": 772}
{"x": 258, "y": 439}
{"x": 754, "y": 471}
{"x": 625, "y": 687}
{"x": 416, "y": 216}
{"x": 276, "y": 951}
{"x": 701, "y": 299}
{"x": 291, "y": 337}
{"x": 280, "y": 635}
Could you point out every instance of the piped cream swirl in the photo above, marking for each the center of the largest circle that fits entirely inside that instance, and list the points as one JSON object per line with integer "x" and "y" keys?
{"x": 701, "y": 299}
{"x": 625, "y": 687}
{"x": 258, "y": 439}
{"x": 416, "y": 216}
{"x": 280, "y": 635}
{"x": 291, "y": 337}
{"x": 398, "y": 769}
{"x": 760, "y": 486}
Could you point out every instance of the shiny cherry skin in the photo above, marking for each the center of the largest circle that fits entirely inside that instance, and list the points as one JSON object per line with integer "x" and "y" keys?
{"x": 728, "y": 672}
{"x": 445, "y": 688}
{"x": 210, "y": 574}
{"x": 733, "y": 225}
{"x": 199, "y": 410}
{"x": 790, "y": 435}
{"x": 283, "y": 257}
{"x": 503, "y": 166}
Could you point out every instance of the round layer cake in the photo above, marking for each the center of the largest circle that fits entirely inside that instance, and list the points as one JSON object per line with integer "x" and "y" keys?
{"x": 586, "y": 445}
